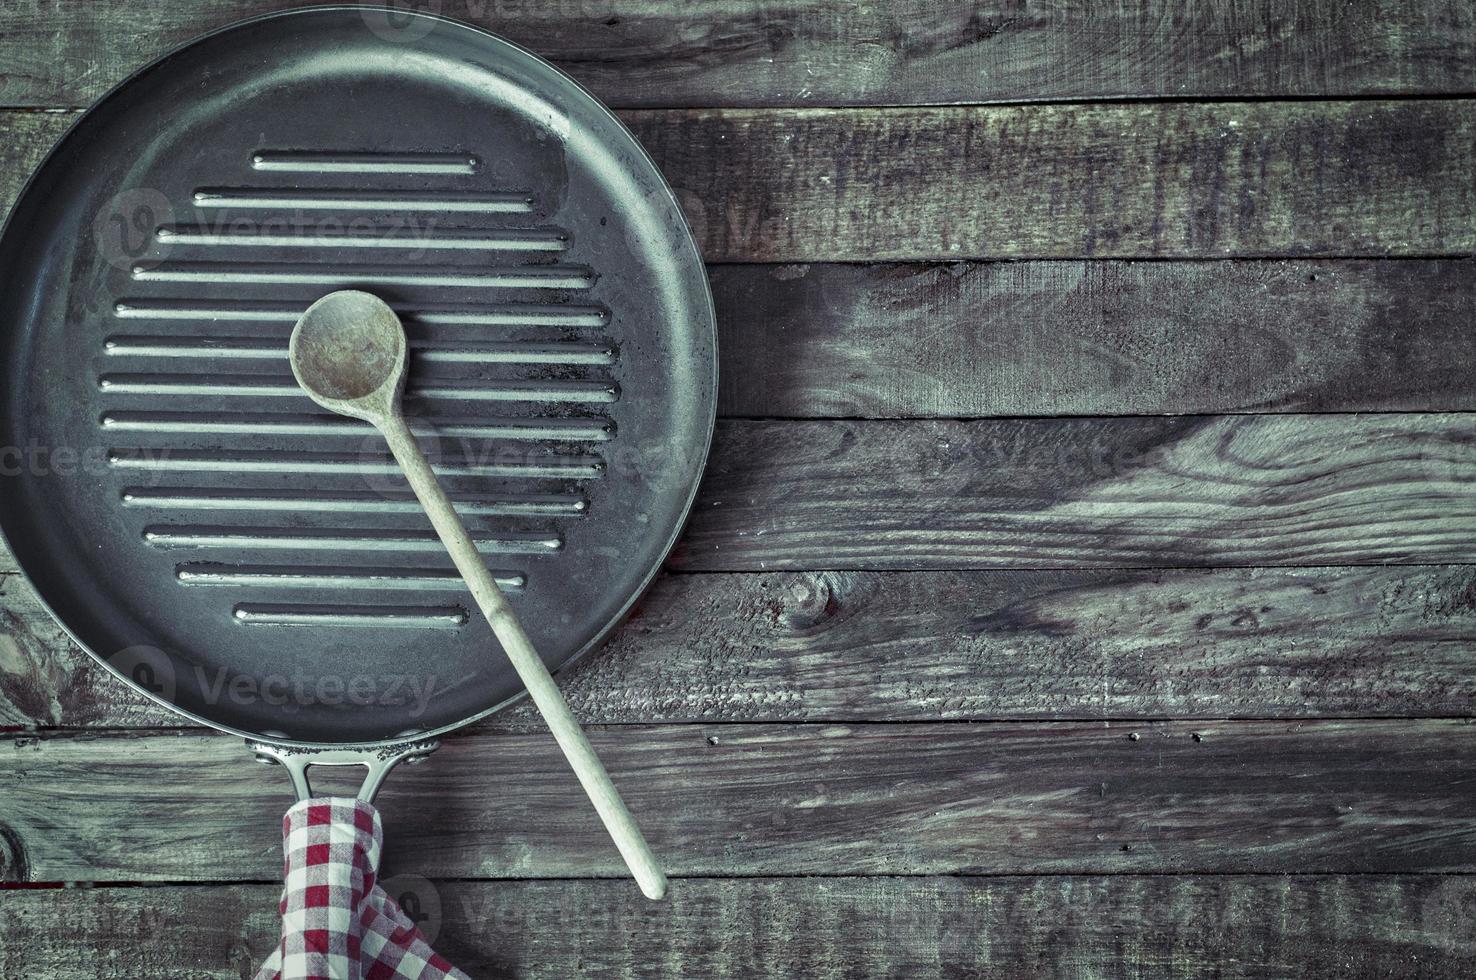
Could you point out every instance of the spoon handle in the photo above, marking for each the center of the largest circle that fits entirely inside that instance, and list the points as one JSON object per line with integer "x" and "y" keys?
{"x": 524, "y": 657}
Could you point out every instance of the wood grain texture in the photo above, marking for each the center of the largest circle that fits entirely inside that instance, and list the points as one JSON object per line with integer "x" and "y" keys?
{"x": 1177, "y": 491}
{"x": 1202, "y": 180}
{"x": 1173, "y": 180}
{"x": 782, "y": 52}
{"x": 1241, "y": 928}
{"x": 929, "y": 646}
{"x": 1042, "y": 567}
{"x": 1248, "y": 797}
{"x": 1094, "y": 338}
{"x": 1058, "y": 493}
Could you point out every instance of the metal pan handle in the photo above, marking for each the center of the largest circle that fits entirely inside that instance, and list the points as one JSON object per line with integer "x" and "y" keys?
{"x": 378, "y": 760}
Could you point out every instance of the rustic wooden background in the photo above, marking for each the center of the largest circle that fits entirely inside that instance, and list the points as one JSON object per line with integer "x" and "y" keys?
{"x": 1082, "y": 583}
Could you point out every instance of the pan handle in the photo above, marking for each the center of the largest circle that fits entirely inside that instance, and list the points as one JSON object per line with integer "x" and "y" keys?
{"x": 377, "y": 759}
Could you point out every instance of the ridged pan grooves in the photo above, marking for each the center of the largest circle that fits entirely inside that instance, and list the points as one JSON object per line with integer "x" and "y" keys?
{"x": 269, "y": 311}
{"x": 221, "y": 355}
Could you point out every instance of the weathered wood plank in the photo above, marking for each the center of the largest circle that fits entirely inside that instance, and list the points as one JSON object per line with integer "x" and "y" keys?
{"x": 1055, "y": 493}
{"x": 779, "y": 52}
{"x": 1163, "y": 180}
{"x": 1095, "y": 338}
{"x": 1364, "y": 796}
{"x": 1168, "y": 926}
{"x": 1063, "y": 493}
{"x": 925, "y": 646}
{"x": 1202, "y": 180}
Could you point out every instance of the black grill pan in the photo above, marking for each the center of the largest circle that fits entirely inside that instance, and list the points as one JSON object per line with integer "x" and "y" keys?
{"x": 195, "y": 522}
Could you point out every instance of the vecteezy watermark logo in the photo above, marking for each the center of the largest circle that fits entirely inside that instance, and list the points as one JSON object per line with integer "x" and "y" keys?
{"x": 35, "y": 459}
{"x": 377, "y": 467}
{"x": 147, "y": 667}
{"x": 299, "y": 690}
{"x": 124, "y": 230}
{"x": 420, "y": 902}
{"x": 648, "y": 229}
{"x": 1448, "y": 912}
{"x": 400, "y": 21}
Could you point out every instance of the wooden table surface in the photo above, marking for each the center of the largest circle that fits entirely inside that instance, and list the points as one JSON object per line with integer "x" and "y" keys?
{"x": 1081, "y": 584}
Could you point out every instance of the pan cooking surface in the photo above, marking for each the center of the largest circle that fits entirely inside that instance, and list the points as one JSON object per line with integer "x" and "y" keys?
{"x": 195, "y": 521}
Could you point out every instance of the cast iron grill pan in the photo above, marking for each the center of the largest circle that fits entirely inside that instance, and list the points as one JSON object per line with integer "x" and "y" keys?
{"x": 195, "y": 521}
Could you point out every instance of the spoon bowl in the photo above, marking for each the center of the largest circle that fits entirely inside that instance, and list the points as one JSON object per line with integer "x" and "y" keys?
{"x": 348, "y": 353}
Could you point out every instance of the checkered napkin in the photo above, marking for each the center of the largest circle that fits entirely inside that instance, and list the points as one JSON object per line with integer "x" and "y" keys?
{"x": 337, "y": 922}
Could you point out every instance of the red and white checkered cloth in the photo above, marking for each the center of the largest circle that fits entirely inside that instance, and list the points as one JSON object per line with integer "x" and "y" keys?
{"x": 337, "y": 922}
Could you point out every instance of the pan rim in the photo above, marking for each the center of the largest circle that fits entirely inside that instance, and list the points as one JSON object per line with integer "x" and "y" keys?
{"x": 703, "y": 448}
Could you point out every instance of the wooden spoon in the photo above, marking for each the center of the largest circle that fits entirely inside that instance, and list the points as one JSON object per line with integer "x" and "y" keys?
{"x": 348, "y": 354}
